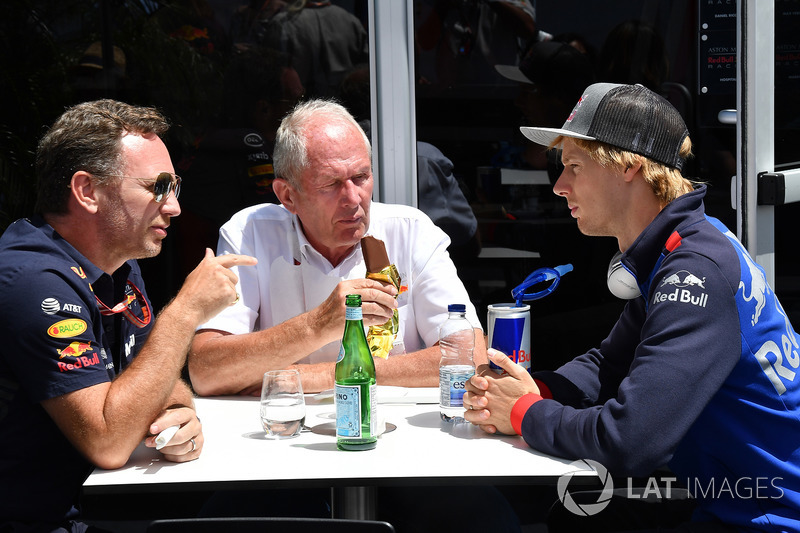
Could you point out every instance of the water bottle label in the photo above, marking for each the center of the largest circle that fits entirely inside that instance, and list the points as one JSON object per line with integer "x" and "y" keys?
{"x": 353, "y": 313}
{"x": 348, "y": 411}
{"x": 452, "y": 383}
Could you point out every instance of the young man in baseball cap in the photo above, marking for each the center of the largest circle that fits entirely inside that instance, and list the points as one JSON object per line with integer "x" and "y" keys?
{"x": 700, "y": 373}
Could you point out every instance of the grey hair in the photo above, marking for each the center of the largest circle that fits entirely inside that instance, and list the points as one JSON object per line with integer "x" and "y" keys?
{"x": 290, "y": 154}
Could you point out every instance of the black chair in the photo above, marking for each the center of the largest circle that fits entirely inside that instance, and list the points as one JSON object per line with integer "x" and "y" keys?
{"x": 268, "y": 524}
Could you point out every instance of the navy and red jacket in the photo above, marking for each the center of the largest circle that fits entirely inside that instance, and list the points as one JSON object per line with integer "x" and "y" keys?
{"x": 699, "y": 374}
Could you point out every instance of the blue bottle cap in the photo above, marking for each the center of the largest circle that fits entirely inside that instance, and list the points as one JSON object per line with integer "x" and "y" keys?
{"x": 456, "y": 308}
{"x": 538, "y": 276}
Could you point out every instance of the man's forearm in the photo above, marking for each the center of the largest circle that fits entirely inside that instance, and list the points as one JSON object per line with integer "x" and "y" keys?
{"x": 221, "y": 363}
{"x": 181, "y": 395}
{"x": 416, "y": 369}
{"x": 316, "y": 377}
{"x": 107, "y": 421}
{"x": 153, "y": 378}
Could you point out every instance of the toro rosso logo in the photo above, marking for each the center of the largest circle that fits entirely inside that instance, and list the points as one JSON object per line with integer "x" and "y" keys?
{"x": 575, "y": 109}
{"x": 684, "y": 283}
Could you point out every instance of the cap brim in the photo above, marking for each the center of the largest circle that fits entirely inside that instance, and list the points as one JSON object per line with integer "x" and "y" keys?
{"x": 512, "y": 72}
{"x": 546, "y": 136}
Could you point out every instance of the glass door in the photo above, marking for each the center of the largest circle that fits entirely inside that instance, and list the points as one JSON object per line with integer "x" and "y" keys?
{"x": 768, "y": 131}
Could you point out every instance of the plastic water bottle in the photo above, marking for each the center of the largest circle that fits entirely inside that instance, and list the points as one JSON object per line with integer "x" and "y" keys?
{"x": 456, "y": 343}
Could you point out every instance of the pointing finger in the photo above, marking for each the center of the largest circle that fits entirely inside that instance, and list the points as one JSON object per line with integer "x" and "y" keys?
{"x": 230, "y": 260}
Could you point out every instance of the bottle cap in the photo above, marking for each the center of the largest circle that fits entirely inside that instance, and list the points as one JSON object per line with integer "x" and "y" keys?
{"x": 456, "y": 308}
{"x": 538, "y": 276}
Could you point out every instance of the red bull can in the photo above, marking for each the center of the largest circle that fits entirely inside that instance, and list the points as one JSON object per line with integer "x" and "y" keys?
{"x": 510, "y": 332}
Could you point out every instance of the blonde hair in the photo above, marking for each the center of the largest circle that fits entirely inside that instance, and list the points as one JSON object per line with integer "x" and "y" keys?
{"x": 667, "y": 182}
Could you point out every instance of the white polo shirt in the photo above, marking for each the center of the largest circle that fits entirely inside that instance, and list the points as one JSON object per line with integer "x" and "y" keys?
{"x": 292, "y": 277}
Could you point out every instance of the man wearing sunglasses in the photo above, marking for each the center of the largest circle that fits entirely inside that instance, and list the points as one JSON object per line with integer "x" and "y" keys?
{"x": 86, "y": 373}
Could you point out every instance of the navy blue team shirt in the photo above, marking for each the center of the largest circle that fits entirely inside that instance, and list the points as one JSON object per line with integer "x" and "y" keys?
{"x": 54, "y": 341}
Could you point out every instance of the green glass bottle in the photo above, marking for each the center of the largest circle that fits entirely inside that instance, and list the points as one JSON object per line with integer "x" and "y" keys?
{"x": 356, "y": 391}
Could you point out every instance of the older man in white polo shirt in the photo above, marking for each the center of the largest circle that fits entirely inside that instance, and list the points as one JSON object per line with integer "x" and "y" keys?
{"x": 291, "y": 311}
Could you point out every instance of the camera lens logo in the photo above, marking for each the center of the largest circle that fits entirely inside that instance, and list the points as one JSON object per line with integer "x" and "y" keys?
{"x": 590, "y": 508}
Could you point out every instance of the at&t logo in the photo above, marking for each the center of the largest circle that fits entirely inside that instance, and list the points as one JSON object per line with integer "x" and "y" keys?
{"x": 590, "y": 508}
{"x": 51, "y": 306}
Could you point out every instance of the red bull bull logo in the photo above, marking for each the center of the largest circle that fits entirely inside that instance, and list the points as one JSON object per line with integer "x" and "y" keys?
{"x": 75, "y": 349}
{"x": 684, "y": 278}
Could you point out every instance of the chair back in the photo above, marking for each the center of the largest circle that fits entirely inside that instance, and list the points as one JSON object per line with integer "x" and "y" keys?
{"x": 267, "y": 525}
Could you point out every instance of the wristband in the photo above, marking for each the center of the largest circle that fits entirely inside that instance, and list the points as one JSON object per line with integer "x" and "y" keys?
{"x": 519, "y": 410}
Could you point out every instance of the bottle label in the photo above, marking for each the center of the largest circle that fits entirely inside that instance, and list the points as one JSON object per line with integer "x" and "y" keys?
{"x": 353, "y": 313}
{"x": 341, "y": 353}
{"x": 348, "y": 410}
{"x": 452, "y": 383}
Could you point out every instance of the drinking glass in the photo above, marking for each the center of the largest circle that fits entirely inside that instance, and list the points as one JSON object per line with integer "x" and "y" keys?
{"x": 283, "y": 409}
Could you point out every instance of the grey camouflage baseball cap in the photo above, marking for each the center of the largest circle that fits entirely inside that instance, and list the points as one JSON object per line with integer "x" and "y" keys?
{"x": 630, "y": 117}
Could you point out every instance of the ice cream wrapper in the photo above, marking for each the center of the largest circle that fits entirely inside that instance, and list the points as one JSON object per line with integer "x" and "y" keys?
{"x": 381, "y": 338}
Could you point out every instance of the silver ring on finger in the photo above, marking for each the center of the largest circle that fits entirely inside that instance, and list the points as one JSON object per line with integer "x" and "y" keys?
{"x": 194, "y": 445}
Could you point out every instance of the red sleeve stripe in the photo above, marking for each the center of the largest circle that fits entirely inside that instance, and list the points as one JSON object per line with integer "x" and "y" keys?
{"x": 673, "y": 242}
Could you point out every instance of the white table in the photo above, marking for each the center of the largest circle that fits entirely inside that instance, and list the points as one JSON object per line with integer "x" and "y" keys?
{"x": 422, "y": 450}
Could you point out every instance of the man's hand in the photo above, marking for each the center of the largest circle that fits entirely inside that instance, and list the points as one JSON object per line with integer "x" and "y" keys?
{"x": 490, "y": 397}
{"x": 211, "y": 286}
{"x": 377, "y": 304}
{"x": 187, "y": 443}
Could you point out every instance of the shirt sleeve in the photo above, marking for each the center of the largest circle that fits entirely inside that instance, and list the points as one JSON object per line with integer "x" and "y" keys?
{"x": 53, "y": 334}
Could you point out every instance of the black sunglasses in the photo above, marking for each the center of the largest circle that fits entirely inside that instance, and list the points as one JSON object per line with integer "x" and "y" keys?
{"x": 163, "y": 184}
